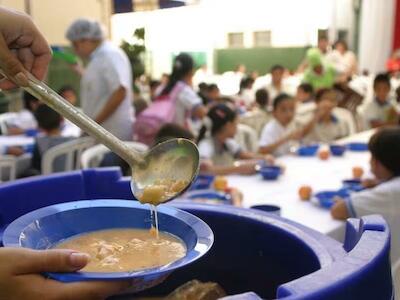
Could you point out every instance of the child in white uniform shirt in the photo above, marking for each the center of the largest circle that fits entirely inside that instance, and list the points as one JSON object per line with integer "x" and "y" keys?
{"x": 219, "y": 151}
{"x": 380, "y": 111}
{"x": 328, "y": 126}
{"x": 384, "y": 199}
{"x": 282, "y": 131}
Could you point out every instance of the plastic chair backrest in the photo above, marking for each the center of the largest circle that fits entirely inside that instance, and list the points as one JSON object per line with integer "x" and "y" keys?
{"x": 347, "y": 117}
{"x": 246, "y": 137}
{"x": 4, "y": 119}
{"x": 71, "y": 150}
{"x": 7, "y": 162}
{"x": 92, "y": 157}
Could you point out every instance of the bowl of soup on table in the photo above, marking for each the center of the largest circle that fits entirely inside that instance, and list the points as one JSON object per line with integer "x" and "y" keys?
{"x": 119, "y": 237}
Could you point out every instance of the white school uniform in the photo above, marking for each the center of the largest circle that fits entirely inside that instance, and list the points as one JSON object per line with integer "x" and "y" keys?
{"x": 327, "y": 132}
{"x": 187, "y": 101}
{"x": 221, "y": 155}
{"x": 108, "y": 69}
{"x": 274, "y": 131}
{"x": 376, "y": 111}
{"x": 384, "y": 200}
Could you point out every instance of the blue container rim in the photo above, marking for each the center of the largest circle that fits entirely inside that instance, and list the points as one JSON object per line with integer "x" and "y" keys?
{"x": 205, "y": 236}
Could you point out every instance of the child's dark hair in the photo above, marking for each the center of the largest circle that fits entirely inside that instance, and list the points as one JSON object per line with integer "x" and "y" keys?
{"x": 281, "y": 98}
{"x": 219, "y": 115}
{"x": 182, "y": 66}
{"x": 322, "y": 93}
{"x": 246, "y": 82}
{"x": 28, "y": 100}
{"x": 170, "y": 130}
{"x": 47, "y": 118}
{"x": 382, "y": 78}
{"x": 277, "y": 68}
{"x": 384, "y": 146}
{"x": 262, "y": 97}
{"x": 307, "y": 88}
{"x": 66, "y": 88}
{"x": 211, "y": 87}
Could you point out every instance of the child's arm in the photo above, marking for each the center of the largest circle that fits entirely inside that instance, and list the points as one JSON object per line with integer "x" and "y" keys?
{"x": 339, "y": 210}
{"x": 271, "y": 148}
{"x": 244, "y": 168}
{"x": 250, "y": 155}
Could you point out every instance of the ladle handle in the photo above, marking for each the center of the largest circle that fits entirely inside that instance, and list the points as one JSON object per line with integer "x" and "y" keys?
{"x": 63, "y": 107}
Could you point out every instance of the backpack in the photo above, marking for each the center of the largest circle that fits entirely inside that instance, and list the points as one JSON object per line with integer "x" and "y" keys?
{"x": 161, "y": 111}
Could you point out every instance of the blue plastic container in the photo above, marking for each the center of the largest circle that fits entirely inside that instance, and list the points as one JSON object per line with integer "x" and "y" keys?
{"x": 48, "y": 226}
{"x": 353, "y": 185}
{"x": 270, "y": 172}
{"x": 309, "y": 150}
{"x": 202, "y": 182}
{"x": 327, "y": 198}
{"x": 253, "y": 250}
{"x": 337, "y": 150}
{"x": 359, "y": 147}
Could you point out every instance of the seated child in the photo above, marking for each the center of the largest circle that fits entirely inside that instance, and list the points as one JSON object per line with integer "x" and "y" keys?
{"x": 383, "y": 199}
{"x": 259, "y": 116}
{"x": 24, "y": 120}
{"x": 380, "y": 111}
{"x": 219, "y": 152}
{"x": 305, "y": 104}
{"x": 278, "y": 135}
{"x": 49, "y": 122}
{"x": 328, "y": 126}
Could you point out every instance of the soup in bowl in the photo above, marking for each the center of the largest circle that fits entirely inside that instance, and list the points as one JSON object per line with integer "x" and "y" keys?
{"x": 113, "y": 232}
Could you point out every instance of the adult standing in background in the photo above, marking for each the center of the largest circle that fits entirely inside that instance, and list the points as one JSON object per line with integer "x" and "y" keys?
{"x": 106, "y": 83}
{"x": 343, "y": 60}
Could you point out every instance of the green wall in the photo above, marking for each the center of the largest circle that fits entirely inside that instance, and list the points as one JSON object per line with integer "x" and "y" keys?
{"x": 60, "y": 74}
{"x": 258, "y": 59}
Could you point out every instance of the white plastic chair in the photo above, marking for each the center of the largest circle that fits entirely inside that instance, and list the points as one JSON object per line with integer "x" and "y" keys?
{"x": 246, "y": 137}
{"x": 92, "y": 157}
{"x": 347, "y": 117}
{"x": 4, "y": 119}
{"x": 71, "y": 150}
{"x": 8, "y": 167}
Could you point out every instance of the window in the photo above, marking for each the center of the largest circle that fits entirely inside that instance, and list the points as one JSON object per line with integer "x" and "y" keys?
{"x": 322, "y": 33}
{"x": 262, "y": 38}
{"x": 235, "y": 40}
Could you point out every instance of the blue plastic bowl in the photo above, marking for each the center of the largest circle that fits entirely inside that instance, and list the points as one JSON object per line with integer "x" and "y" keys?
{"x": 326, "y": 198}
{"x": 309, "y": 150}
{"x": 353, "y": 185}
{"x": 272, "y": 209}
{"x": 31, "y": 132}
{"x": 208, "y": 194}
{"x": 358, "y": 146}
{"x": 270, "y": 172}
{"x": 337, "y": 150}
{"x": 202, "y": 182}
{"x": 46, "y": 227}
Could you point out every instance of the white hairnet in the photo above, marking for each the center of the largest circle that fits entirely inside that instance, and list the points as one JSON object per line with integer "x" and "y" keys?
{"x": 85, "y": 29}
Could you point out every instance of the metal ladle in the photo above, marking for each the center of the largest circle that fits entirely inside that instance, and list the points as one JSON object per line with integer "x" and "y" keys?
{"x": 175, "y": 159}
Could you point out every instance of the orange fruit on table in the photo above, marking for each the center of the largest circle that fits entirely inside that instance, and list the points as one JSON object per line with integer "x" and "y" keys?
{"x": 323, "y": 154}
{"x": 220, "y": 183}
{"x": 358, "y": 172}
{"x": 305, "y": 192}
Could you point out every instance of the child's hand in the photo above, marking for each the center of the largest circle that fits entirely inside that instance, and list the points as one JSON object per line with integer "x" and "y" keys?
{"x": 237, "y": 197}
{"x": 20, "y": 276}
{"x": 296, "y": 135}
{"x": 16, "y": 151}
{"x": 245, "y": 168}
